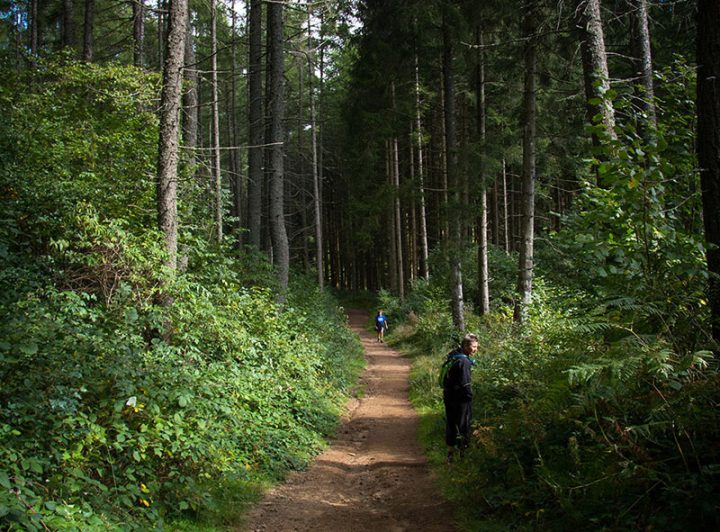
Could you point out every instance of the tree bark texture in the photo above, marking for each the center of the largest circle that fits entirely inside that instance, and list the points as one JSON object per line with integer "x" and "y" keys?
{"x": 390, "y": 234}
{"x": 239, "y": 189}
{"x": 317, "y": 198}
{"x": 217, "y": 172}
{"x": 255, "y": 124}
{"x": 68, "y": 24}
{"x": 400, "y": 265}
{"x": 708, "y": 144}
{"x": 525, "y": 264}
{"x": 276, "y": 92}
{"x": 482, "y": 222}
{"x": 34, "y": 31}
{"x": 421, "y": 175}
{"x": 451, "y": 170}
{"x": 642, "y": 58}
{"x": 594, "y": 62}
{"x": 138, "y": 7}
{"x": 190, "y": 99}
{"x": 88, "y": 30}
{"x": 161, "y": 21}
{"x": 169, "y": 130}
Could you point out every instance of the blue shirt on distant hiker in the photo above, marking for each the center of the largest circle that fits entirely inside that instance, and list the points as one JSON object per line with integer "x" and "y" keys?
{"x": 381, "y": 325}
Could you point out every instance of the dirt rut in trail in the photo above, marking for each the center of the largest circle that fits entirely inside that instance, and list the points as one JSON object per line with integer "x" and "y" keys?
{"x": 373, "y": 477}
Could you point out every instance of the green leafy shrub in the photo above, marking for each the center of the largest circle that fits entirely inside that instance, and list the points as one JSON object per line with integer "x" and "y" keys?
{"x": 115, "y": 412}
{"x": 600, "y": 413}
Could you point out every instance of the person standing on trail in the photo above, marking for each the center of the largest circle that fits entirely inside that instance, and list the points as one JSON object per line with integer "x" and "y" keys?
{"x": 381, "y": 325}
{"x": 458, "y": 395}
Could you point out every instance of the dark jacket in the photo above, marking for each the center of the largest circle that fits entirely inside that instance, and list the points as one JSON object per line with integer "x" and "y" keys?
{"x": 457, "y": 387}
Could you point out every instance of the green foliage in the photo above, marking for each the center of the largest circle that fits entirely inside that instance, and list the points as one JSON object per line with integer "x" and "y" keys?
{"x": 116, "y": 412}
{"x": 635, "y": 237}
{"x": 573, "y": 430}
{"x": 601, "y": 413}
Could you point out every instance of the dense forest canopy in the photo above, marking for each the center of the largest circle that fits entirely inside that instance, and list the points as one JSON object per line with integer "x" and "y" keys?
{"x": 181, "y": 181}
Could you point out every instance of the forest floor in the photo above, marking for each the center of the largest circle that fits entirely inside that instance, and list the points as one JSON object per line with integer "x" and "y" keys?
{"x": 374, "y": 475}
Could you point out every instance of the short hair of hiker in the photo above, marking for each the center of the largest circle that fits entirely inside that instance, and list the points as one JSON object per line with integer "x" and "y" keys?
{"x": 468, "y": 339}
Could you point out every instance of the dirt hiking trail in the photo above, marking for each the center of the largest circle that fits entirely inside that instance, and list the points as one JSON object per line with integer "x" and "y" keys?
{"x": 373, "y": 477}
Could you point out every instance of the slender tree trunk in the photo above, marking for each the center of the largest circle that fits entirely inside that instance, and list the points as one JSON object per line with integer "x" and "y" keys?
{"x": 395, "y": 180}
{"x": 496, "y": 213}
{"x": 451, "y": 170}
{"x": 482, "y": 229}
{"x": 255, "y": 124}
{"x": 708, "y": 145}
{"x": 642, "y": 58}
{"x": 68, "y": 25}
{"x": 236, "y": 177}
{"x": 506, "y": 231}
{"x": 302, "y": 193}
{"x": 525, "y": 266}
{"x": 161, "y": 30}
{"x": 392, "y": 259}
{"x": 169, "y": 129}
{"x": 421, "y": 175}
{"x": 138, "y": 7}
{"x": 88, "y": 30}
{"x": 594, "y": 62}
{"x": 398, "y": 221}
{"x": 412, "y": 240}
{"x": 445, "y": 228}
{"x": 217, "y": 175}
{"x": 34, "y": 31}
{"x": 276, "y": 92}
{"x": 190, "y": 97}
{"x": 317, "y": 198}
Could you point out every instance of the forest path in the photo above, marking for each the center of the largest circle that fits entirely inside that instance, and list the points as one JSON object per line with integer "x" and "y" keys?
{"x": 373, "y": 477}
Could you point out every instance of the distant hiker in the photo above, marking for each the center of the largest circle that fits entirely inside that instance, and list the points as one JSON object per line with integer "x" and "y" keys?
{"x": 381, "y": 325}
{"x": 457, "y": 395}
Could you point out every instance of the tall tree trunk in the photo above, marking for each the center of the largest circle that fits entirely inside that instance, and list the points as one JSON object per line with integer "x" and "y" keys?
{"x": 421, "y": 175}
{"x": 395, "y": 181}
{"x": 525, "y": 265}
{"x": 708, "y": 144}
{"x": 161, "y": 29}
{"x": 34, "y": 31}
{"x": 88, "y": 30}
{"x": 276, "y": 92}
{"x": 444, "y": 229}
{"x": 642, "y": 58}
{"x": 412, "y": 240}
{"x": 317, "y": 198}
{"x": 235, "y": 175}
{"x": 400, "y": 265}
{"x": 255, "y": 124}
{"x": 217, "y": 175}
{"x": 594, "y": 62}
{"x": 506, "y": 230}
{"x": 190, "y": 100}
{"x": 138, "y": 7}
{"x": 451, "y": 169}
{"x": 169, "y": 129}
{"x": 68, "y": 24}
{"x": 642, "y": 52}
{"x": 392, "y": 241}
{"x": 482, "y": 228}
{"x": 496, "y": 213}
{"x": 302, "y": 193}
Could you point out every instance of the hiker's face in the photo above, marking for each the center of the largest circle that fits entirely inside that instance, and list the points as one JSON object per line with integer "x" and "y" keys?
{"x": 471, "y": 348}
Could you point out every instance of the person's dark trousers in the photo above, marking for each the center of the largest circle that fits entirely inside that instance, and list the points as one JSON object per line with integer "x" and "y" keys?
{"x": 457, "y": 427}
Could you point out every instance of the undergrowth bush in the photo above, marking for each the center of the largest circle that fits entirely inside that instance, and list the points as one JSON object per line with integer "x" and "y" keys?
{"x": 579, "y": 423}
{"x": 116, "y": 412}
